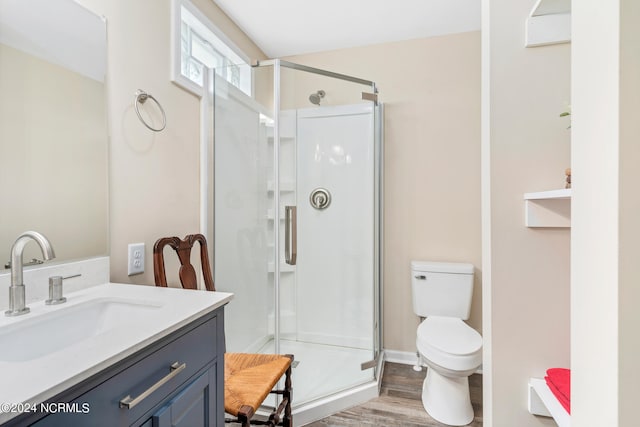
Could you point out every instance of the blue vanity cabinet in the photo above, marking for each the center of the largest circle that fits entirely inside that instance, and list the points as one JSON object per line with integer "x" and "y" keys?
{"x": 191, "y": 407}
{"x": 189, "y": 394}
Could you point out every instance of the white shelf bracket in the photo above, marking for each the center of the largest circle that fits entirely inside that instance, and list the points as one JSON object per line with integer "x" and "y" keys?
{"x": 548, "y": 209}
{"x": 535, "y": 404}
{"x": 549, "y": 23}
{"x": 542, "y": 402}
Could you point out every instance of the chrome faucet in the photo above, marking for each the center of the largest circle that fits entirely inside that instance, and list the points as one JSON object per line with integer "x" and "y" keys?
{"x": 16, "y": 290}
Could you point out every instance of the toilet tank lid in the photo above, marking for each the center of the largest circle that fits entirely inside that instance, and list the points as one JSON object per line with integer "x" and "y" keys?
{"x": 442, "y": 267}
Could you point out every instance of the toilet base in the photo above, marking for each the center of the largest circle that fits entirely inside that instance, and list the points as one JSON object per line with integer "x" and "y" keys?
{"x": 447, "y": 399}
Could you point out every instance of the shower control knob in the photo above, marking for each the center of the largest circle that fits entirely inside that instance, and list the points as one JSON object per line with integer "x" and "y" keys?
{"x": 320, "y": 198}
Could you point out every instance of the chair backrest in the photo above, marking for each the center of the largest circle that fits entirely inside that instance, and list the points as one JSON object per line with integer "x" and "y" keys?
{"x": 187, "y": 272}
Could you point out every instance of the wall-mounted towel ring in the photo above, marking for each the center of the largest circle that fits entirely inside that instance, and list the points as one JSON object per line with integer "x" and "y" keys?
{"x": 141, "y": 97}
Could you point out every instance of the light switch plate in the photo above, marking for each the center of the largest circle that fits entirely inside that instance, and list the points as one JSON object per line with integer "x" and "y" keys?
{"x": 136, "y": 259}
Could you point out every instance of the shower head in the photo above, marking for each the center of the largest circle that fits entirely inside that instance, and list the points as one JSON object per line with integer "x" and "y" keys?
{"x": 315, "y": 98}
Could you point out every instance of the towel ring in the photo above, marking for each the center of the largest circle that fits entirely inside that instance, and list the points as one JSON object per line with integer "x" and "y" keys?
{"x": 141, "y": 97}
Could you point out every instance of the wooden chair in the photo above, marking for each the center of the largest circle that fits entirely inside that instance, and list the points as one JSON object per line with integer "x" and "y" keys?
{"x": 248, "y": 378}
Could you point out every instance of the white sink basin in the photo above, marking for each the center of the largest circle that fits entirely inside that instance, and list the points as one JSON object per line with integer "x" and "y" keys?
{"x": 45, "y": 334}
{"x": 55, "y": 347}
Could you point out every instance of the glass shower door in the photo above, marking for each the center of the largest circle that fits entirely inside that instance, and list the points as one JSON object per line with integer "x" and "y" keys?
{"x": 296, "y": 223}
{"x": 243, "y": 220}
{"x": 327, "y": 199}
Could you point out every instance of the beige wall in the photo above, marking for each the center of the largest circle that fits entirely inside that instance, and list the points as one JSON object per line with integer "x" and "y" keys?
{"x": 431, "y": 91}
{"x": 53, "y": 166}
{"x": 154, "y": 177}
{"x": 525, "y": 149}
{"x": 165, "y": 200}
{"x": 629, "y": 231}
{"x": 606, "y": 202}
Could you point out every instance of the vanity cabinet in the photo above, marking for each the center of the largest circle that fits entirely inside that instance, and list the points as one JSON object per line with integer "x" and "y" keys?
{"x": 191, "y": 407}
{"x": 176, "y": 381}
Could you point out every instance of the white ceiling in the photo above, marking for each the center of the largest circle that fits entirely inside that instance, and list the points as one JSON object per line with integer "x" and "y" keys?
{"x": 290, "y": 27}
{"x": 61, "y": 32}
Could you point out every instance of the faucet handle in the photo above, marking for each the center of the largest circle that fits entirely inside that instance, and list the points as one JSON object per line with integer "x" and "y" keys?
{"x": 55, "y": 291}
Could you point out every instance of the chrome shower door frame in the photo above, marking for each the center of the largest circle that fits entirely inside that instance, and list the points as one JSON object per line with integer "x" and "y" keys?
{"x": 378, "y": 234}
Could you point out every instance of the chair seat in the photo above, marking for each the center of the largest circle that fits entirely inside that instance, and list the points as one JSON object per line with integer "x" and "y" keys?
{"x": 249, "y": 378}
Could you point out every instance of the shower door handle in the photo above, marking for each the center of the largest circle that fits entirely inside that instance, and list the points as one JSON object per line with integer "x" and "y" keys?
{"x": 290, "y": 235}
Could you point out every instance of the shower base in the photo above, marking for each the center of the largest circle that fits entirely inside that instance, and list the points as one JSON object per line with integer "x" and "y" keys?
{"x": 326, "y": 378}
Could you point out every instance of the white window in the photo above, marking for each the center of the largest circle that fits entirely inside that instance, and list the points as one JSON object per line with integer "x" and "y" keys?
{"x": 197, "y": 45}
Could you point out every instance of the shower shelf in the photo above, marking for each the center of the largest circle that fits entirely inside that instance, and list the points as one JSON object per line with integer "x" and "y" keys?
{"x": 284, "y": 268}
{"x": 270, "y": 214}
{"x": 285, "y": 186}
{"x": 282, "y": 139}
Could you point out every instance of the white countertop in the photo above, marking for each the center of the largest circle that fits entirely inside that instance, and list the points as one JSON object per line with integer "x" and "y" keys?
{"x": 34, "y": 381}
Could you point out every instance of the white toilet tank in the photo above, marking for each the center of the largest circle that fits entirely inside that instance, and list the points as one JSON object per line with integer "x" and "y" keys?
{"x": 442, "y": 289}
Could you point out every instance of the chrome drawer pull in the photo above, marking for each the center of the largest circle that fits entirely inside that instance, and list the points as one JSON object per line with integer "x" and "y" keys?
{"x": 129, "y": 403}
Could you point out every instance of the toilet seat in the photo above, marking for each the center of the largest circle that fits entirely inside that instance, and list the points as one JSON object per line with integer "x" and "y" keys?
{"x": 450, "y": 343}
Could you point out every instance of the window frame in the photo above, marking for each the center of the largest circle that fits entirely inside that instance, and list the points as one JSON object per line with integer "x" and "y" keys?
{"x": 176, "y": 47}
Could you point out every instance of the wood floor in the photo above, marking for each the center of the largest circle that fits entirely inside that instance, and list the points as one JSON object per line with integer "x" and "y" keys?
{"x": 399, "y": 403}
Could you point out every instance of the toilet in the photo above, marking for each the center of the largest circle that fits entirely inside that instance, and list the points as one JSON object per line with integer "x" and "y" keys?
{"x": 450, "y": 349}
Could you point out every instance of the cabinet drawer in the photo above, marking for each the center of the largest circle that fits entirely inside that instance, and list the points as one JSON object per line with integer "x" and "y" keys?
{"x": 195, "y": 349}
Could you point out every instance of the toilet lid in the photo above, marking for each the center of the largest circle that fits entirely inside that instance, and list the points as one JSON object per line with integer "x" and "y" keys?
{"x": 449, "y": 335}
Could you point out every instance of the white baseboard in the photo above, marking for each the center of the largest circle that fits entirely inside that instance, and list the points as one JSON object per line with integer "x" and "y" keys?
{"x": 404, "y": 357}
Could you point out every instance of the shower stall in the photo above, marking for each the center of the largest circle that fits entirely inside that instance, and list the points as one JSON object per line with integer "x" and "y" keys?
{"x": 297, "y": 227}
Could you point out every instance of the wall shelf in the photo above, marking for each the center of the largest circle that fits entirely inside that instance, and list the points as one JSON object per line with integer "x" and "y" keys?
{"x": 548, "y": 23}
{"x": 548, "y": 209}
{"x": 543, "y": 402}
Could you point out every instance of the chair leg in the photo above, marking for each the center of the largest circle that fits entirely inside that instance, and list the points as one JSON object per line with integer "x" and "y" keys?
{"x": 287, "y": 420}
{"x": 244, "y": 415}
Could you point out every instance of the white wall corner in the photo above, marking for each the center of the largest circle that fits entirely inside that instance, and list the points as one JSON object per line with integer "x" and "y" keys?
{"x": 545, "y": 30}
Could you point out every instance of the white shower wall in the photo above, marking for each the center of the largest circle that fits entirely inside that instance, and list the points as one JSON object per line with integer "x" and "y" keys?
{"x": 334, "y": 272}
